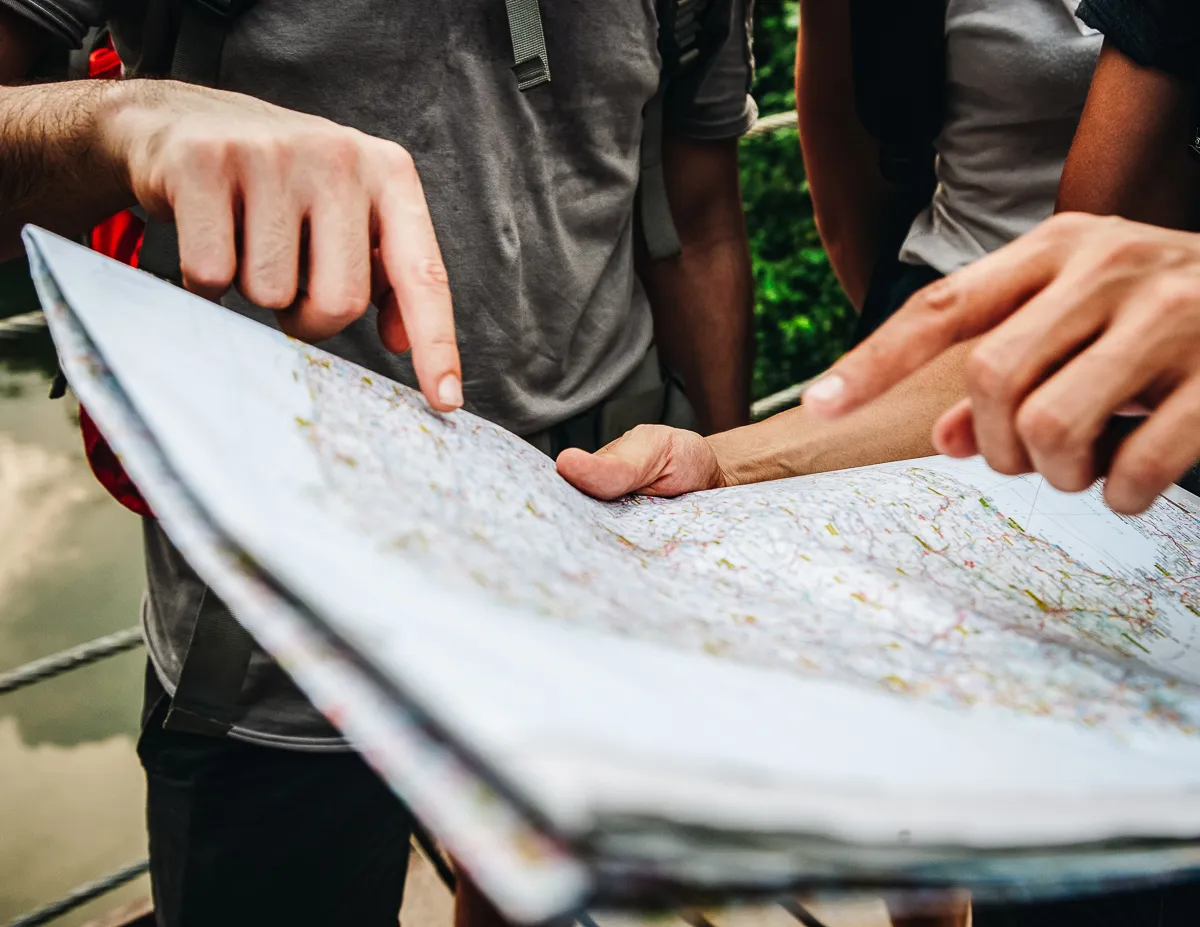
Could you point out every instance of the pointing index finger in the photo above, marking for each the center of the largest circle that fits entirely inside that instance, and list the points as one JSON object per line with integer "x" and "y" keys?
{"x": 412, "y": 262}
{"x": 952, "y": 310}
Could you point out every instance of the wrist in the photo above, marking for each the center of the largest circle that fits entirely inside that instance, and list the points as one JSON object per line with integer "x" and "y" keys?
{"x": 115, "y": 127}
{"x": 726, "y": 458}
{"x": 770, "y": 450}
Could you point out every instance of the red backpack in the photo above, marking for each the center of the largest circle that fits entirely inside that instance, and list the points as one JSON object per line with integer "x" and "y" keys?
{"x": 119, "y": 237}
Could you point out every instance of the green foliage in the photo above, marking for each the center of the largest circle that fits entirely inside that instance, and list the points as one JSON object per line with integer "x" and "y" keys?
{"x": 803, "y": 320}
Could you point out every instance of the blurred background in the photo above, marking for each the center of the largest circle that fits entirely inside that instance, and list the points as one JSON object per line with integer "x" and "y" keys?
{"x": 70, "y": 557}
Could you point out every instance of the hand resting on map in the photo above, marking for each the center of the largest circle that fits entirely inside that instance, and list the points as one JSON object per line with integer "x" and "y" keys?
{"x": 653, "y": 460}
{"x": 660, "y": 461}
{"x": 1086, "y": 318}
{"x": 1024, "y": 357}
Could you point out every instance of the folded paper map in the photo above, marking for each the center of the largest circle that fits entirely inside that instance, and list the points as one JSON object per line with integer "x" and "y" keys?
{"x": 920, "y": 673}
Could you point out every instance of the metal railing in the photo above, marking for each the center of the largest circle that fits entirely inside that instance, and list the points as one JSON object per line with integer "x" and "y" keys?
{"x": 81, "y": 895}
{"x": 21, "y": 324}
{"x": 66, "y": 660}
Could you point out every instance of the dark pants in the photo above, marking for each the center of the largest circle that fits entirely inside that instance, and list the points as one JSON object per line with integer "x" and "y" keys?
{"x": 249, "y": 835}
{"x": 891, "y": 286}
{"x": 1178, "y": 906}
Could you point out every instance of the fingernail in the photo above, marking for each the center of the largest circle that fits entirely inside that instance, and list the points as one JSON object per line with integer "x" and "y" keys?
{"x": 828, "y": 389}
{"x": 450, "y": 391}
{"x": 1133, "y": 410}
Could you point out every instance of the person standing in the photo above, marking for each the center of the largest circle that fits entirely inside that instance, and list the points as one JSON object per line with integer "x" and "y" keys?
{"x": 1000, "y": 113}
{"x": 353, "y": 165}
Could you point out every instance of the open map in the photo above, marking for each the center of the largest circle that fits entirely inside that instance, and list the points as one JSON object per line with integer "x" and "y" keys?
{"x": 903, "y": 577}
{"x": 906, "y": 657}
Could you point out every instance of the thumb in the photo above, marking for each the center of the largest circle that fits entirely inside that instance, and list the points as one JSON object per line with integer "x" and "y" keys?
{"x": 632, "y": 462}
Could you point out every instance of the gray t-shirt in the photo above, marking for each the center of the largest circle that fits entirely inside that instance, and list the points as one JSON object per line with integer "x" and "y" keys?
{"x": 531, "y": 195}
{"x": 1018, "y": 76}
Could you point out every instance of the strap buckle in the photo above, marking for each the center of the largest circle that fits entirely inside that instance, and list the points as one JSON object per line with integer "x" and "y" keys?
{"x": 530, "y": 62}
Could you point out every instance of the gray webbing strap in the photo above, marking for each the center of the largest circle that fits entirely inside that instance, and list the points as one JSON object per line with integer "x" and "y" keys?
{"x": 218, "y": 654}
{"x": 658, "y": 227}
{"x": 197, "y": 60}
{"x": 214, "y": 667}
{"x": 159, "y": 254}
{"x": 530, "y": 63}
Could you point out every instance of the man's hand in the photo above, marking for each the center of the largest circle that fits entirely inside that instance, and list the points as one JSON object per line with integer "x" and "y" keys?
{"x": 651, "y": 460}
{"x": 1093, "y": 317}
{"x": 290, "y": 207}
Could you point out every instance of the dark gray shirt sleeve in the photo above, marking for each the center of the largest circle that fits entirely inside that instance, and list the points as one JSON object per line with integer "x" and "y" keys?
{"x": 67, "y": 20}
{"x": 1161, "y": 34}
{"x": 722, "y": 106}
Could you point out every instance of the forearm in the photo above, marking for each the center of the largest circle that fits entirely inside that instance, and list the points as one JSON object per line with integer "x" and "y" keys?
{"x": 841, "y": 160}
{"x": 703, "y": 300}
{"x": 703, "y": 306}
{"x": 897, "y": 426}
{"x": 1130, "y": 156}
{"x": 55, "y": 168}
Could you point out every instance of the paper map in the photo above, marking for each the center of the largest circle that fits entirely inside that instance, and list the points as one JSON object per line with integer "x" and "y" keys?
{"x": 914, "y": 655}
{"x": 901, "y": 577}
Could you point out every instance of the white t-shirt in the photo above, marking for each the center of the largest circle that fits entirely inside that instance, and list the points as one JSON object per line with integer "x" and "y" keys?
{"x": 1018, "y": 73}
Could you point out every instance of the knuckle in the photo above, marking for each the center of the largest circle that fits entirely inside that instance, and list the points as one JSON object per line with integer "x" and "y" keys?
{"x": 1146, "y": 472}
{"x": 1065, "y": 225}
{"x": 989, "y": 374}
{"x": 431, "y": 272}
{"x": 266, "y": 289}
{"x": 341, "y": 310}
{"x": 207, "y": 269}
{"x": 938, "y": 298}
{"x": 334, "y": 319}
{"x": 1007, "y": 462}
{"x": 205, "y": 156}
{"x": 1067, "y": 479}
{"x": 269, "y": 295}
{"x": 267, "y": 152}
{"x": 1122, "y": 251}
{"x": 397, "y": 161}
{"x": 340, "y": 153}
{"x": 1044, "y": 429}
{"x": 1170, "y": 294}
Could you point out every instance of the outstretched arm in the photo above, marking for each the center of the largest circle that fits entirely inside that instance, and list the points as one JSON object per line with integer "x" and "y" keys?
{"x": 1083, "y": 319}
{"x": 660, "y": 461}
{"x": 246, "y": 184}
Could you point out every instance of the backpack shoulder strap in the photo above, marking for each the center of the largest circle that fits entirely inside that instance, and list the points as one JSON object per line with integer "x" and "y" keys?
{"x": 899, "y": 59}
{"x": 203, "y": 25}
{"x": 690, "y": 34}
{"x": 199, "y": 42}
{"x": 218, "y": 654}
{"x": 531, "y": 64}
